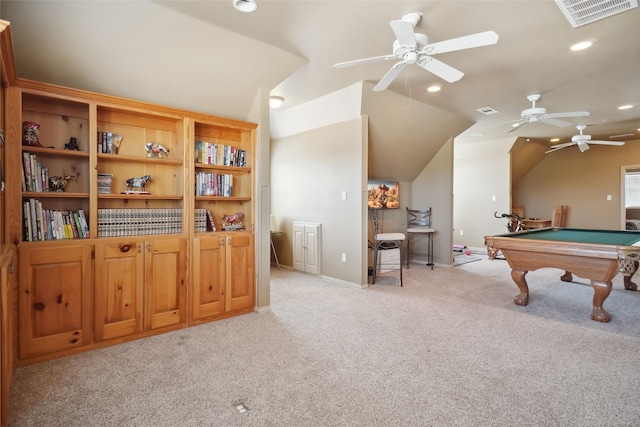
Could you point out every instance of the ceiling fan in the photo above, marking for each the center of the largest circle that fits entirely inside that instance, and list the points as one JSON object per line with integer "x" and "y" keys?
{"x": 413, "y": 48}
{"x": 539, "y": 114}
{"x": 582, "y": 141}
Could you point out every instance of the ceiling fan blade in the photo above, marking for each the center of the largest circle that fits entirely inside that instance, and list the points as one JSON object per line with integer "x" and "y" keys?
{"x": 439, "y": 68}
{"x": 555, "y": 122}
{"x": 404, "y": 33}
{"x": 518, "y": 126}
{"x": 607, "y": 142}
{"x": 554, "y": 149}
{"x": 460, "y": 43}
{"x": 569, "y": 114}
{"x": 364, "y": 61}
{"x": 386, "y": 80}
{"x": 566, "y": 144}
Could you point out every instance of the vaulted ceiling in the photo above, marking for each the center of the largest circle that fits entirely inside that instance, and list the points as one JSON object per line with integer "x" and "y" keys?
{"x": 206, "y": 56}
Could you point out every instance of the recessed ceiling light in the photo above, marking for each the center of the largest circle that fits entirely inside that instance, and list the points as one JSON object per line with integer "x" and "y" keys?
{"x": 554, "y": 140}
{"x": 477, "y": 134}
{"x": 246, "y": 6}
{"x": 581, "y": 45}
{"x": 434, "y": 88}
{"x": 625, "y": 107}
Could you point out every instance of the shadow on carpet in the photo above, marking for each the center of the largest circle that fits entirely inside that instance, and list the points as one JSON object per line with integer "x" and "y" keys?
{"x": 464, "y": 259}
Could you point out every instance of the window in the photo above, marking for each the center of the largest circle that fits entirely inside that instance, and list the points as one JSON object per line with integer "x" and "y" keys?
{"x": 632, "y": 189}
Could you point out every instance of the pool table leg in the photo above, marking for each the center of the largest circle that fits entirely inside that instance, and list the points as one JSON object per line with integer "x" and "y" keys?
{"x": 628, "y": 284}
{"x": 601, "y": 291}
{"x": 518, "y": 277}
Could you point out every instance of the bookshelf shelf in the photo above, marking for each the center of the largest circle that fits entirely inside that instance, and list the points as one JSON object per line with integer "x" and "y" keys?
{"x": 54, "y": 152}
{"x": 202, "y": 166}
{"x": 222, "y": 199}
{"x": 54, "y": 195}
{"x": 137, "y": 159}
{"x": 138, "y": 196}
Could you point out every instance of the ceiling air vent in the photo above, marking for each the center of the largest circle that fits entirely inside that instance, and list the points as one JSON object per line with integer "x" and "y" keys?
{"x": 582, "y": 12}
{"x": 487, "y": 110}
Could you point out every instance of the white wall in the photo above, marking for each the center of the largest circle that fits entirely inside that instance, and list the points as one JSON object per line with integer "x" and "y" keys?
{"x": 434, "y": 188}
{"x": 481, "y": 171}
{"x": 310, "y": 172}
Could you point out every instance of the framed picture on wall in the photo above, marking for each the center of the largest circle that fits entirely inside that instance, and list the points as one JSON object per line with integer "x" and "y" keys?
{"x": 383, "y": 194}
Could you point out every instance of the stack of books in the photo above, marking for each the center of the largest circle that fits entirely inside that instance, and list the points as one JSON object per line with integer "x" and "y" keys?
{"x": 204, "y": 221}
{"x": 104, "y": 183}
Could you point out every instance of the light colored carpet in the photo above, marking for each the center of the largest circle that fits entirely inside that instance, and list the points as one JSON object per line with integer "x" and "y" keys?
{"x": 448, "y": 349}
{"x": 463, "y": 259}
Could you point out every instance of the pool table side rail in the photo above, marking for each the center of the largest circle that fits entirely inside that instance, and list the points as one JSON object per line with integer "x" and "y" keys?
{"x": 557, "y": 247}
{"x": 594, "y": 261}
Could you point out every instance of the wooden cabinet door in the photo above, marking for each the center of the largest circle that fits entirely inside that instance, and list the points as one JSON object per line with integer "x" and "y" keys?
{"x": 118, "y": 289}
{"x": 208, "y": 276}
{"x": 54, "y": 298}
{"x": 239, "y": 272}
{"x": 165, "y": 282}
{"x": 8, "y": 279}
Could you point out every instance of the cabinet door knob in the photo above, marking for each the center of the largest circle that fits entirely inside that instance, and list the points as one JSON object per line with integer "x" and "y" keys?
{"x": 125, "y": 248}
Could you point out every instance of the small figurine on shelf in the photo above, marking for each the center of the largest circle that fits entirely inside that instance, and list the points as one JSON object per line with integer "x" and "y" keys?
{"x": 72, "y": 145}
{"x": 233, "y": 222}
{"x": 155, "y": 149}
{"x": 59, "y": 183}
{"x": 139, "y": 183}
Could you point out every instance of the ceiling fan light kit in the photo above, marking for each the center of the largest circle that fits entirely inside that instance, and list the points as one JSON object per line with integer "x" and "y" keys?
{"x": 411, "y": 48}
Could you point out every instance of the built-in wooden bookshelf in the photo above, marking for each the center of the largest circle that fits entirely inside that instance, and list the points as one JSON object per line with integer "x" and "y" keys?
{"x": 136, "y": 257}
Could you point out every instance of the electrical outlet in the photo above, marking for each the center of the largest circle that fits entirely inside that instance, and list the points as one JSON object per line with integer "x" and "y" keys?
{"x": 461, "y": 233}
{"x": 344, "y": 195}
{"x": 609, "y": 197}
{"x": 344, "y": 257}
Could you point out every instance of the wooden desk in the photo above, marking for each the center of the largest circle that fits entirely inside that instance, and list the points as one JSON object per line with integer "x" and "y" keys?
{"x": 531, "y": 223}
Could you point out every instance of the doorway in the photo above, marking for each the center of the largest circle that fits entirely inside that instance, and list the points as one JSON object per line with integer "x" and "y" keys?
{"x": 630, "y": 197}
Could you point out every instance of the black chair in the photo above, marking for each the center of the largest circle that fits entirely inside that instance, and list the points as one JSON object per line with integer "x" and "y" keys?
{"x": 385, "y": 241}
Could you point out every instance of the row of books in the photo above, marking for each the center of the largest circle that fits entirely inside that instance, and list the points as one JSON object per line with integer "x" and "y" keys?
{"x": 139, "y": 222}
{"x": 108, "y": 142}
{"x": 48, "y": 224}
{"x": 214, "y": 184}
{"x": 208, "y": 153}
{"x": 35, "y": 177}
{"x": 204, "y": 221}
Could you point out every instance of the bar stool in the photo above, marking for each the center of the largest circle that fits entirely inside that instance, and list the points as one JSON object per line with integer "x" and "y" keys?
{"x": 385, "y": 241}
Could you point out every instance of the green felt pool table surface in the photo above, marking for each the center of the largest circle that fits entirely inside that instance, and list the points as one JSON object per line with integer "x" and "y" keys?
{"x": 577, "y": 235}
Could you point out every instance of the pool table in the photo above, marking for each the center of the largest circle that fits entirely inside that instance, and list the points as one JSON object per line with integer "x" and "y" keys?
{"x": 597, "y": 255}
